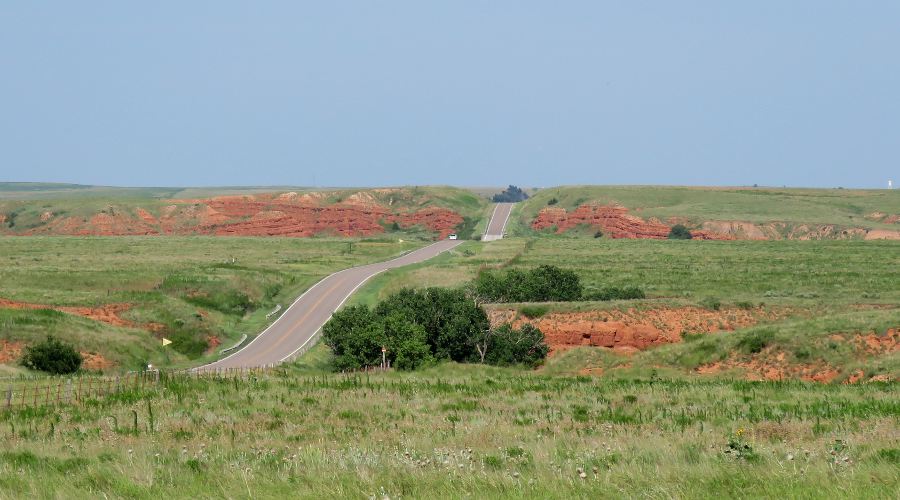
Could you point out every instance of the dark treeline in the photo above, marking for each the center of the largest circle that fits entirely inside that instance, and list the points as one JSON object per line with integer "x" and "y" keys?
{"x": 543, "y": 284}
{"x": 512, "y": 194}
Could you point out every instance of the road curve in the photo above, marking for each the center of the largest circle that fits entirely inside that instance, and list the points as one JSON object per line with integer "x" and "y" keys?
{"x": 299, "y": 324}
{"x": 497, "y": 225}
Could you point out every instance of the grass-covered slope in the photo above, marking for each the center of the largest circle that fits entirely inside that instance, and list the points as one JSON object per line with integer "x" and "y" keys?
{"x": 845, "y": 208}
{"x": 122, "y": 295}
{"x": 795, "y": 294}
{"x": 60, "y": 209}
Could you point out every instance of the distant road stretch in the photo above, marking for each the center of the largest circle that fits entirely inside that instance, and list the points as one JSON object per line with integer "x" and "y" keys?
{"x": 498, "y": 222}
{"x": 298, "y": 325}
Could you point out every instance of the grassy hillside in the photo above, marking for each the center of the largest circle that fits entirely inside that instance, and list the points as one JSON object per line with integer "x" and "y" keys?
{"x": 184, "y": 288}
{"x": 33, "y": 208}
{"x": 460, "y": 431}
{"x": 804, "y": 292}
{"x": 842, "y": 207}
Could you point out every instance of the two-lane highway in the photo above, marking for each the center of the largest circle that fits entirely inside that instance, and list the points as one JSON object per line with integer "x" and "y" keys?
{"x": 497, "y": 225}
{"x": 299, "y": 324}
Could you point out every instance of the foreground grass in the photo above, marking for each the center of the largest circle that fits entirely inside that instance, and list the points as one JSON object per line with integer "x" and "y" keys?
{"x": 455, "y": 431}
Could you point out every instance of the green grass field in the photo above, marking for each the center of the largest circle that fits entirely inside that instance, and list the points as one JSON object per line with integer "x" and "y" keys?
{"x": 188, "y": 285}
{"x": 841, "y": 207}
{"x": 648, "y": 426}
{"x": 460, "y": 431}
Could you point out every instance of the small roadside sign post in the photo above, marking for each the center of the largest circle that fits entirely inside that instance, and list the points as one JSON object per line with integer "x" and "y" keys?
{"x": 383, "y": 357}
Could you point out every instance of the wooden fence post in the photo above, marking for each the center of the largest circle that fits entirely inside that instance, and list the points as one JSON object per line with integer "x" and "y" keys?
{"x": 9, "y": 398}
{"x": 78, "y": 393}
{"x": 68, "y": 390}
{"x": 58, "y": 390}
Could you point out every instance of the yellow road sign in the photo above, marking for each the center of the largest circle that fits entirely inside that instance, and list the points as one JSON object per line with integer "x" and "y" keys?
{"x": 166, "y": 342}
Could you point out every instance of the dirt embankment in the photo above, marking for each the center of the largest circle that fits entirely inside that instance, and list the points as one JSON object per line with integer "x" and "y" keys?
{"x": 616, "y": 222}
{"x": 634, "y": 329}
{"x": 107, "y": 314}
{"x": 613, "y": 220}
{"x": 286, "y": 214}
{"x": 770, "y": 364}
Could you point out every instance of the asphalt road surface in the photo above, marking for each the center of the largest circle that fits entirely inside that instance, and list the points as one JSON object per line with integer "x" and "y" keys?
{"x": 498, "y": 222}
{"x": 298, "y": 325}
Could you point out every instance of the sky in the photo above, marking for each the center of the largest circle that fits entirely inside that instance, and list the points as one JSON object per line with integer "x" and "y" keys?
{"x": 469, "y": 93}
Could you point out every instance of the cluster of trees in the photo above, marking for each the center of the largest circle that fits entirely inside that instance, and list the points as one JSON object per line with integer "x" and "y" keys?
{"x": 419, "y": 327}
{"x": 545, "y": 283}
{"x": 512, "y": 194}
{"x": 542, "y": 284}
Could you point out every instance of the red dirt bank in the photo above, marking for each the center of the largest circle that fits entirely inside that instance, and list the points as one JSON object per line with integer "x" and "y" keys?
{"x": 613, "y": 220}
{"x": 287, "y": 214}
{"x": 632, "y": 329}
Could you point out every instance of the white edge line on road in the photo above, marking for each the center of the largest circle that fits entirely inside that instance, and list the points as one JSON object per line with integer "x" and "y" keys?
{"x": 508, "y": 212}
{"x": 285, "y": 313}
{"x": 316, "y": 333}
{"x": 361, "y": 283}
{"x": 488, "y": 227}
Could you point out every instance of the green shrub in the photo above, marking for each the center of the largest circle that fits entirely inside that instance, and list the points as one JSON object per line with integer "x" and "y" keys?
{"x": 542, "y": 284}
{"x": 711, "y": 303}
{"x": 755, "y": 342}
{"x": 598, "y": 234}
{"x": 680, "y": 232}
{"x": 52, "y": 356}
{"x": 744, "y": 305}
{"x": 615, "y": 293}
{"x": 508, "y": 346}
{"x": 533, "y": 312}
{"x": 552, "y": 201}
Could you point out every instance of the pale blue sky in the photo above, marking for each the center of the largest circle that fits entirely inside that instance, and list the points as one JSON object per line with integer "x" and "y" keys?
{"x": 802, "y": 93}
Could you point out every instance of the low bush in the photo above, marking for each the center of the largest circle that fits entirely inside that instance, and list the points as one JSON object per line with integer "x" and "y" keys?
{"x": 755, "y": 342}
{"x": 711, "y": 303}
{"x": 680, "y": 232}
{"x": 52, "y": 356}
{"x": 615, "y": 293}
{"x": 533, "y": 312}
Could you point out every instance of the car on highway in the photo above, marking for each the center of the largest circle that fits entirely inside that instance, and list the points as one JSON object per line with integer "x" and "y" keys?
{"x": 452, "y": 236}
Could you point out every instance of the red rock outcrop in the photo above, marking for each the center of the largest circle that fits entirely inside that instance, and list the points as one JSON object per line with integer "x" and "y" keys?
{"x": 286, "y": 214}
{"x": 613, "y": 220}
{"x": 633, "y": 328}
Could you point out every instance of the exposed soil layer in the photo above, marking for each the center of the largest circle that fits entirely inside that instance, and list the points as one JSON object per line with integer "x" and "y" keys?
{"x": 107, "y": 314}
{"x": 634, "y": 329}
{"x": 10, "y": 351}
{"x": 95, "y": 361}
{"x": 286, "y": 214}
{"x": 771, "y": 364}
{"x": 613, "y": 220}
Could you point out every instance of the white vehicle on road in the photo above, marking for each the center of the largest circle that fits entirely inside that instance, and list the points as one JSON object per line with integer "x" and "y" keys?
{"x": 452, "y": 236}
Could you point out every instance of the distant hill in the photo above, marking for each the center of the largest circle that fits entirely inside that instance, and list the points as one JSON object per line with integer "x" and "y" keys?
{"x": 730, "y": 212}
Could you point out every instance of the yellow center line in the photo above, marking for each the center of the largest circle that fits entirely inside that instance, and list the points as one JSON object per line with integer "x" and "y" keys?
{"x": 297, "y": 323}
